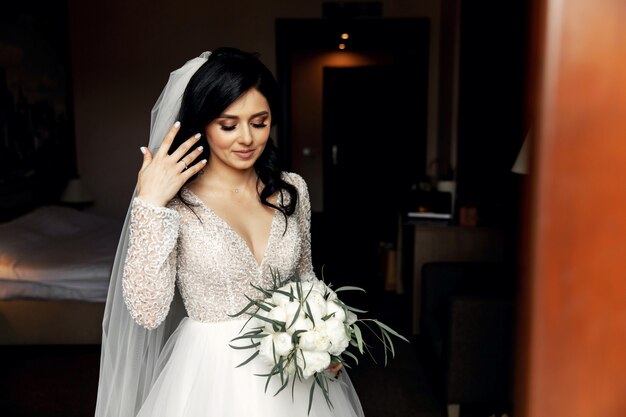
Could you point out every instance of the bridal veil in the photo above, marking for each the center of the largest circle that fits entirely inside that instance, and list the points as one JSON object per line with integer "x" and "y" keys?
{"x": 129, "y": 351}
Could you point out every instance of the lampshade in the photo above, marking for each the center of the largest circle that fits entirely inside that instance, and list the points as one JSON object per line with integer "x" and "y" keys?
{"x": 76, "y": 192}
{"x": 521, "y": 163}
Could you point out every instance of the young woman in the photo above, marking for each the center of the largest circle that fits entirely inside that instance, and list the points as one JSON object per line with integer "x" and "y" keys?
{"x": 212, "y": 213}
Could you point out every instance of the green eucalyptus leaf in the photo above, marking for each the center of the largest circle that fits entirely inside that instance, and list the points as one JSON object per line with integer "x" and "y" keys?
{"x": 352, "y": 355}
{"x": 255, "y": 334}
{"x": 265, "y": 292}
{"x": 349, "y": 288}
{"x": 253, "y": 345}
{"x": 311, "y": 398}
{"x": 254, "y": 355}
{"x": 295, "y": 317}
{"x": 285, "y": 293}
{"x": 308, "y": 309}
{"x": 390, "y": 330}
{"x": 296, "y": 335}
{"x": 323, "y": 384}
{"x": 268, "y": 320}
{"x": 359, "y": 337}
{"x": 243, "y": 310}
{"x": 356, "y": 310}
{"x": 386, "y": 336}
{"x": 326, "y": 317}
{"x": 283, "y": 386}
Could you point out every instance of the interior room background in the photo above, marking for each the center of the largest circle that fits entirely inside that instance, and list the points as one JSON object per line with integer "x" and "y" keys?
{"x": 473, "y": 78}
{"x": 474, "y": 87}
{"x": 120, "y": 63}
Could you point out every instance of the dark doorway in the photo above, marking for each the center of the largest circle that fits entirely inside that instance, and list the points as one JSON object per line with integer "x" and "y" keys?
{"x": 354, "y": 93}
{"x": 373, "y": 151}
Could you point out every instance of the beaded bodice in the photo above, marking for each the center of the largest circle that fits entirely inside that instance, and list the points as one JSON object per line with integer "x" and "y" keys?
{"x": 192, "y": 247}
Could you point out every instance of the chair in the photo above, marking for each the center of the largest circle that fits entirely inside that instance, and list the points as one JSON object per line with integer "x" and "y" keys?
{"x": 468, "y": 330}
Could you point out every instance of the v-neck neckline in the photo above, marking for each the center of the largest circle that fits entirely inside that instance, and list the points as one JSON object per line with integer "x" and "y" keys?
{"x": 212, "y": 212}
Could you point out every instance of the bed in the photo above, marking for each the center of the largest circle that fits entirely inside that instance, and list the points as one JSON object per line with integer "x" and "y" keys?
{"x": 55, "y": 265}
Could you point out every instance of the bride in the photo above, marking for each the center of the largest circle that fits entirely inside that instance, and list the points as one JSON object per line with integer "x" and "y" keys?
{"x": 211, "y": 214}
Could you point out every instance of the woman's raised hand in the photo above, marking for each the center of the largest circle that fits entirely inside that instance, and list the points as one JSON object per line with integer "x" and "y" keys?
{"x": 162, "y": 175}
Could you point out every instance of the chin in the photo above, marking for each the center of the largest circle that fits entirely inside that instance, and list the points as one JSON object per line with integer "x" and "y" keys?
{"x": 244, "y": 165}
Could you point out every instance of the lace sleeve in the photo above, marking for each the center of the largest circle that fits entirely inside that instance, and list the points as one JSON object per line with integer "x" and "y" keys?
{"x": 305, "y": 264}
{"x": 150, "y": 266}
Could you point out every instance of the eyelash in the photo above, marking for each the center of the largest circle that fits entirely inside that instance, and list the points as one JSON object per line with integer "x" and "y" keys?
{"x": 255, "y": 125}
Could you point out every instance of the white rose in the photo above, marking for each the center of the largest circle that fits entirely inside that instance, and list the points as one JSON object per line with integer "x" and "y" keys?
{"x": 339, "y": 339}
{"x": 333, "y": 307}
{"x": 314, "y": 340}
{"x": 312, "y": 362}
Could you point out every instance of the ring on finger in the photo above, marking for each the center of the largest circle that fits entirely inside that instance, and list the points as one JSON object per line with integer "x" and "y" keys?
{"x": 186, "y": 166}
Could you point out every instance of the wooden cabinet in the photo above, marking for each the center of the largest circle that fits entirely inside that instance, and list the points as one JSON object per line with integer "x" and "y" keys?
{"x": 439, "y": 243}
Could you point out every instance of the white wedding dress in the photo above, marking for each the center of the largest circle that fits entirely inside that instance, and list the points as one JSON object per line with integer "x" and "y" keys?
{"x": 213, "y": 267}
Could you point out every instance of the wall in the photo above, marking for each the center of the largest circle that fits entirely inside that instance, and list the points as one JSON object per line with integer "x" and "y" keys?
{"x": 122, "y": 53}
{"x": 307, "y": 111}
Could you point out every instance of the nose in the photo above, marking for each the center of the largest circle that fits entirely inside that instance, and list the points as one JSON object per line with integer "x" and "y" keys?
{"x": 246, "y": 136}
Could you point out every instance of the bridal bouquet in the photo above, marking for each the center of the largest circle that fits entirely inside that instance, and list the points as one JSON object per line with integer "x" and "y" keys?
{"x": 300, "y": 327}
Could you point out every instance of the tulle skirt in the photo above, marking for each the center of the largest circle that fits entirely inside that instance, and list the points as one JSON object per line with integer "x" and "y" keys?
{"x": 198, "y": 378}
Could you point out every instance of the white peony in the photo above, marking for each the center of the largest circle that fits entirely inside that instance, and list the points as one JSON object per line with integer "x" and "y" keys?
{"x": 333, "y": 307}
{"x": 325, "y": 290}
{"x": 291, "y": 308}
{"x": 320, "y": 287}
{"x": 317, "y": 304}
{"x": 266, "y": 350}
{"x": 312, "y": 362}
{"x": 300, "y": 324}
{"x": 315, "y": 339}
{"x": 306, "y": 287}
{"x": 290, "y": 367}
{"x": 277, "y": 313}
{"x": 282, "y": 343}
{"x": 339, "y": 339}
{"x": 282, "y": 346}
{"x": 281, "y": 299}
{"x": 257, "y": 322}
{"x": 351, "y": 318}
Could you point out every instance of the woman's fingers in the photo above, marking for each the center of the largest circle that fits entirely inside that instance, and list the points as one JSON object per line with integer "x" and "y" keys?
{"x": 161, "y": 175}
{"x": 194, "y": 169}
{"x": 184, "y": 147}
{"x": 169, "y": 138}
{"x": 335, "y": 367}
{"x": 187, "y": 160}
{"x": 147, "y": 157}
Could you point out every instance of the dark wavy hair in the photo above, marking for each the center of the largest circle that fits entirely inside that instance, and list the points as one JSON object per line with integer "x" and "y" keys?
{"x": 226, "y": 76}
